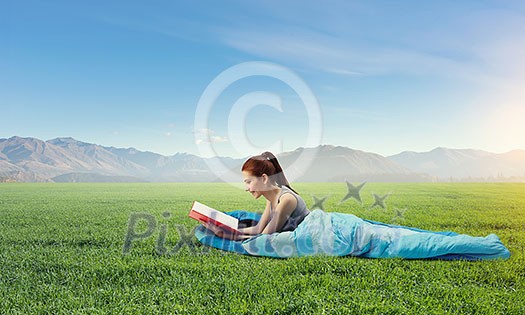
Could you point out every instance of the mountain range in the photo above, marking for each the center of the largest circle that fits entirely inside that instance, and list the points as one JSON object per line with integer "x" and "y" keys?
{"x": 69, "y": 160}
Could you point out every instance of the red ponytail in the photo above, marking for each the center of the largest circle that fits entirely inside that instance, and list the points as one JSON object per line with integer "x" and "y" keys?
{"x": 266, "y": 163}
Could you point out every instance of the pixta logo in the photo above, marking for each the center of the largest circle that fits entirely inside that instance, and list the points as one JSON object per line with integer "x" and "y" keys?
{"x": 137, "y": 232}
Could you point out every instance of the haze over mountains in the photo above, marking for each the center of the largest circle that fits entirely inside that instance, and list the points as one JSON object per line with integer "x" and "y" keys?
{"x": 70, "y": 160}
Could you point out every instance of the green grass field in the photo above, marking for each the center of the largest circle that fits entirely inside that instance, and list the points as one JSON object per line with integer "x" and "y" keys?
{"x": 61, "y": 252}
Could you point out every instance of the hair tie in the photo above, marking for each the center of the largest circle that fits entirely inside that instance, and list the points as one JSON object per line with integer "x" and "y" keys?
{"x": 268, "y": 158}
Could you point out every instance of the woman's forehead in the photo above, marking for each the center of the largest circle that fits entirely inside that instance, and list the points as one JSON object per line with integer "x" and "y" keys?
{"x": 246, "y": 174}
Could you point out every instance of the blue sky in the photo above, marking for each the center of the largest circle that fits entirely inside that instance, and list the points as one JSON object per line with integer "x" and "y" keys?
{"x": 388, "y": 76}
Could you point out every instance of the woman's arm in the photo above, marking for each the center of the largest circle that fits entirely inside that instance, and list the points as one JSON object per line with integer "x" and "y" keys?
{"x": 225, "y": 234}
{"x": 245, "y": 232}
{"x": 283, "y": 211}
{"x": 257, "y": 229}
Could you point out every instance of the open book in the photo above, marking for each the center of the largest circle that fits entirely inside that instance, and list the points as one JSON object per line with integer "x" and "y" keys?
{"x": 205, "y": 214}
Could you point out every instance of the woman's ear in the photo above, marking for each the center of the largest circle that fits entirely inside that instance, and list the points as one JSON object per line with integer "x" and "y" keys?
{"x": 265, "y": 178}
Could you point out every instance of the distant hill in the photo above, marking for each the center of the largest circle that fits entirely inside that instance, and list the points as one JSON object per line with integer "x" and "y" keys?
{"x": 30, "y": 159}
{"x": 337, "y": 163}
{"x": 465, "y": 164}
{"x": 93, "y": 178}
{"x": 70, "y": 160}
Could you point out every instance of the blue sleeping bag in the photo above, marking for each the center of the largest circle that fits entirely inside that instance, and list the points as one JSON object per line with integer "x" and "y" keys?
{"x": 338, "y": 234}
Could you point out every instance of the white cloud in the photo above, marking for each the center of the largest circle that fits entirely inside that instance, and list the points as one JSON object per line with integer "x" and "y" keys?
{"x": 483, "y": 47}
{"x": 333, "y": 54}
{"x": 344, "y": 72}
{"x": 207, "y": 136}
{"x": 219, "y": 139}
{"x": 350, "y": 38}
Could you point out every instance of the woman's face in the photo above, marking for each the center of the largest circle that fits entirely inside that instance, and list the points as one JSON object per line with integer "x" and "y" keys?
{"x": 253, "y": 184}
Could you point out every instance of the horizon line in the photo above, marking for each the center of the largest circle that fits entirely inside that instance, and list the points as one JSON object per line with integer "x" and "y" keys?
{"x": 298, "y": 148}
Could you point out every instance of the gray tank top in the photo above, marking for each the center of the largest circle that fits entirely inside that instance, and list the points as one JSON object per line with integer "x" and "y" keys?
{"x": 297, "y": 216}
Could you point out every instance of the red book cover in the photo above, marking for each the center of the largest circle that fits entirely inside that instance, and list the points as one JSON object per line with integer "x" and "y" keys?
{"x": 205, "y": 214}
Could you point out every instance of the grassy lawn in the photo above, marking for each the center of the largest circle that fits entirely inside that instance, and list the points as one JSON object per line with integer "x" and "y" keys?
{"x": 61, "y": 252}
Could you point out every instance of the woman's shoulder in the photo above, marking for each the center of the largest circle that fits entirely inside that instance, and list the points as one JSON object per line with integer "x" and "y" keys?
{"x": 298, "y": 200}
{"x": 288, "y": 194}
{"x": 287, "y": 191}
{"x": 287, "y": 202}
{"x": 287, "y": 197}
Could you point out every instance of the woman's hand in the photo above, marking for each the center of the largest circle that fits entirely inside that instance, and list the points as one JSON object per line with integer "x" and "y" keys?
{"x": 224, "y": 234}
{"x": 215, "y": 229}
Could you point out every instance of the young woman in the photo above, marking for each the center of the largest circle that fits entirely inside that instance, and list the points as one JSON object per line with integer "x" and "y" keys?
{"x": 339, "y": 234}
{"x": 285, "y": 209}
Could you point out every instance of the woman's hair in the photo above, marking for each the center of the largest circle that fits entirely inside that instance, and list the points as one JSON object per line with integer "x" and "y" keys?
{"x": 266, "y": 163}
